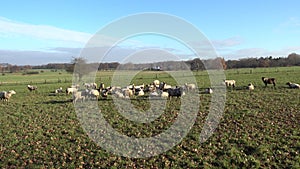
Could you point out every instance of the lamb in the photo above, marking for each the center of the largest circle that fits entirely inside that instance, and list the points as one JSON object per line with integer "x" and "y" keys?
{"x": 31, "y": 88}
{"x": 293, "y": 85}
{"x": 6, "y": 95}
{"x": 229, "y": 83}
{"x": 269, "y": 81}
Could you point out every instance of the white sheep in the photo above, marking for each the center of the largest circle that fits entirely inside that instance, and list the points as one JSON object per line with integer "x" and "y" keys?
{"x": 6, "y": 95}
{"x": 164, "y": 95}
{"x": 190, "y": 87}
{"x": 156, "y": 83}
{"x": 79, "y": 95}
{"x": 70, "y": 90}
{"x": 94, "y": 94}
{"x": 250, "y": 87}
{"x": 229, "y": 83}
{"x": 293, "y": 85}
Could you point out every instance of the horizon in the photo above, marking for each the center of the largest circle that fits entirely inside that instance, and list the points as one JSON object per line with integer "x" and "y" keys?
{"x": 40, "y": 33}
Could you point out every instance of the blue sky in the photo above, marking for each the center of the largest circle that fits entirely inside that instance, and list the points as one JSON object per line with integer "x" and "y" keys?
{"x": 41, "y": 32}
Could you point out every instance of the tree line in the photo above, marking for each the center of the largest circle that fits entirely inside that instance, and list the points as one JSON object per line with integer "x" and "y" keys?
{"x": 292, "y": 59}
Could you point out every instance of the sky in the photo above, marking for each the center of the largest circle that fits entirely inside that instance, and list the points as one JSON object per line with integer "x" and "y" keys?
{"x": 40, "y": 32}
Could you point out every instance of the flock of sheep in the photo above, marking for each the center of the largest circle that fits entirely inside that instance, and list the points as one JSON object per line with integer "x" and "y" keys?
{"x": 154, "y": 89}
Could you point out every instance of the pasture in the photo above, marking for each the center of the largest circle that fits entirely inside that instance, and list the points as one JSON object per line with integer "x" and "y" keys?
{"x": 260, "y": 129}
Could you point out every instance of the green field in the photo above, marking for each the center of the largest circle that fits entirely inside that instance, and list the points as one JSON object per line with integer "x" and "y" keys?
{"x": 260, "y": 129}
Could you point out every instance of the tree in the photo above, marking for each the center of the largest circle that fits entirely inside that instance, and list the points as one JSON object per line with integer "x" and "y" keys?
{"x": 79, "y": 67}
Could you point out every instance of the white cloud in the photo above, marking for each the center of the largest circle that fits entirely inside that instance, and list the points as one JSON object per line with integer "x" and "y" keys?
{"x": 9, "y": 28}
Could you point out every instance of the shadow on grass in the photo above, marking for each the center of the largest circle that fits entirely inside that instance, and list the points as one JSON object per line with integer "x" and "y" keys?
{"x": 58, "y": 101}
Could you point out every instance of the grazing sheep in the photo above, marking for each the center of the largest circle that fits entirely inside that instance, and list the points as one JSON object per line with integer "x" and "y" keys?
{"x": 31, "y": 88}
{"x": 250, "y": 87}
{"x": 118, "y": 94}
{"x": 208, "y": 91}
{"x": 269, "y": 81}
{"x": 293, "y": 85}
{"x": 190, "y": 87}
{"x": 127, "y": 93}
{"x": 139, "y": 92}
{"x": 93, "y": 93}
{"x": 150, "y": 88}
{"x": 90, "y": 85}
{"x": 70, "y": 90}
{"x": 60, "y": 90}
{"x": 229, "y": 83}
{"x": 6, "y": 95}
{"x": 79, "y": 95}
{"x": 175, "y": 92}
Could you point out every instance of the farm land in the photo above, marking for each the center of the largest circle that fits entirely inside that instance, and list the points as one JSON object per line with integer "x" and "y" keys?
{"x": 259, "y": 129}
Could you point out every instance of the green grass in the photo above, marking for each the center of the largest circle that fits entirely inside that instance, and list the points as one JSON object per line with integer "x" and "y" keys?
{"x": 260, "y": 129}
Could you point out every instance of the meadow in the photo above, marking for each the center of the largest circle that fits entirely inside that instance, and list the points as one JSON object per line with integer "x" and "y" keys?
{"x": 260, "y": 129}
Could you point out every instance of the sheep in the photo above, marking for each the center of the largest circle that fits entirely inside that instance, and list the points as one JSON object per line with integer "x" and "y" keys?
{"x": 156, "y": 83}
{"x": 229, "y": 83}
{"x": 139, "y": 92}
{"x": 31, "y": 88}
{"x": 93, "y": 93}
{"x": 6, "y": 95}
{"x": 127, "y": 93}
{"x": 59, "y": 90}
{"x": 150, "y": 88}
{"x": 118, "y": 94}
{"x": 208, "y": 91}
{"x": 163, "y": 86}
{"x": 101, "y": 86}
{"x": 79, "y": 95}
{"x": 175, "y": 92}
{"x": 90, "y": 85}
{"x": 70, "y": 90}
{"x": 250, "y": 87}
{"x": 164, "y": 95}
{"x": 104, "y": 93}
{"x": 269, "y": 81}
{"x": 190, "y": 87}
{"x": 293, "y": 85}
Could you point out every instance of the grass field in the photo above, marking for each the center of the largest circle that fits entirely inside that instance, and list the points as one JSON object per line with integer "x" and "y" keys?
{"x": 258, "y": 130}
